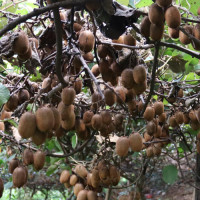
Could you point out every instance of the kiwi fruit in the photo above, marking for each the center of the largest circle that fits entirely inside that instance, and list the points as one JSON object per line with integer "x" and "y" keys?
{"x": 149, "y": 151}
{"x": 184, "y": 39}
{"x": 46, "y": 84}
{"x": 121, "y": 94}
{"x": 140, "y": 88}
{"x": 96, "y": 100}
{"x": 12, "y": 103}
{"x": 173, "y": 17}
{"x": 35, "y": 42}
{"x": 162, "y": 117}
{"x": 67, "y": 185}
{"x": 136, "y": 142}
{"x": 140, "y": 106}
{"x": 186, "y": 119}
{"x": 95, "y": 180}
{"x": 1, "y": 187}
{"x": 80, "y": 126}
{"x": 69, "y": 123}
{"x": 81, "y": 171}
{"x": 14, "y": 163}
{"x": 157, "y": 148}
{"x": 127, "y": 78}
{"x": 66, "y": 112}
{"x": 82, "y": 195}
{"x": 21, "y": 43}
{"x": 159, "y": 107}
{"x": 122, "y": 146}
{"x": 110, "y": 97}
{"x": 23, "y": 95}
{"x": 78, "y": 85}
{"x": 91, "y": 195}
{"x": 151, "y": 128}
{"x": 179, "y": 117}
{"x": 73, "y": 179}
{"x": 180, "y": 93}
{"x": 88, "y": 56}
{"x": 164, "y": 3}
{"x": 77, "y": 27}
{"x": 77, "y": 188}
{"x": 102, "y": 51}
{"x": 198, "y": 11}
{"x": 39, "y": 137}
{"x": 86, "y": 41}
{"x": 106, "y": 117}
{"x": 5, "y": 115}
{"x": 173, "y": 33}
{"x": 120, "y": 40}
{"x": 64, "y": 176}
{"x": 156, "y": 31}
{"x": 59, "y": 132}
{"x": 2, "y": 126}
{"x": 87, "y": 117}
{"x": 93, "y": 5}
{"x": 172, "y": 121}
{"x": 129, "y": 40}
{"x": 27, "y": 125}
{"x": 89, "y": 176}
{"x": 27, "y": 55}
{"x": 156, "y": 14}
{"x": 158, "y": 132}
{"x": 104, "y": 67}
{"x": 68, "y": 96}
{"x": 198, "y": 115}
{"x": 39, "y": 160}
{"x": 114, "y": 175}
{"x": 19, "y": 177}
{"x": 149, "y": 113}
{"x": 139, "y": 74}
{"x": 118, "y": 119}
{"x": 57, "y": 118}
{"x": 130, "y": 95}
{"x": 145, "y": 27}
{"x": 28, "y": 157}
{"x": 116, "y": 68}
{"x": 96, "y": 122}
{"x": 45, "y": 119}
{"x": 95, "y": 70}
{"x": 195, "y": 126}
{"x": 192, "y": 116}
{"x": 147, "y": 137}
{"x": 103, "y": 172}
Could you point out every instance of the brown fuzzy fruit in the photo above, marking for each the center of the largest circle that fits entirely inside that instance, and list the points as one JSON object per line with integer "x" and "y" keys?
{"x": 1, "y": 187}
{"x": 192, "y": 116}
{"x": 159, "y": 108}
{"x": 57, "y": 118}
{"x": 64, "y": 176}
{"x": 68, "y": 96}
{"x": 88, "y": 56}
{"x": 114, "y": 175}
{"x": 91, "y": 195}
{"x": 2, "y": 126}
{"x": 151, "y": 128}
{"x": 121, "y": 94}
{"x": 46, "y": 84}
{"x": 156, "y": 32}
{"x": 129, "y": 40}
{"x": 95, "y": 70}
{"x": 5, "y": 115}
{"x": 116, "y": 68}
{"x": 104, "y": 67}
{"x": 179, "y": 117}
{"x": 39, "y": 160}
{"x": 110, "y": 97}
{"x": 66, "y": 112}
{"x": 86, "y": 41}
{"x": 149, "y": 113}
{"x": 172, "y": 121}
{"x": 120, "y": 40}
{"x": 139, "y": 74}
{"x": 73, "y": 179}
{"x": 173, "y": 33}
{"x": 28, "y": 157}
{"x": 23, "y": 96}
{"x": 127, "y": 78}
{"x": 96, "y": 122}
{"x": 27, "y": 125}
{"x": 21, "y": 43}
{"x": 156, "y": 14}
{"x": 69, "y": 123}
{"x": 180, "y": 93}
{"x": 78, "y": 85}
{"x": 186, "y": 118}
{"x": 122, "y": 146}
{"x": 39, "y": 137}
{"x": 173, "y": 17}
{"x": 60, "y": 132}
{"x": 87, "y": 116}
{"x": 198, "y": 11}
{"x": 35, "y": 42}
{"x": 184, "y": 38}
{"x": 12, "y": 103}
{"x": 77, "y": 188}
{"x": 102, "y": 51}
{"x": 157, "y": 148}
{"x": 149, "y": 151}
{"x": 82, "y": 195}
{"x": 44, "y": 119}
{"x": 162, "y": 118}
{"x": 27, "y": 55}
{"x": 77, "y": 27}
{"x": 136, "y": 142}
{"x": 145, "y": 27}
{"x": 19, "y": 177}
{"x": 95, "y": 180}
{"x": 14, "y": 163}
{"x": 106, "y": 117}
{"x": 96, "y": 100}
{"x": 93, "y": 5}
{"x": 81, "y": 171}
{"x": 103, "y": 172}
{"x": 163, "y": 3}
{"x": 118, "y": 119}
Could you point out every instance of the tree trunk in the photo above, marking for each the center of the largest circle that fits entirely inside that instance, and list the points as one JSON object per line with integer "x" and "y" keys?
{"x": 197, "y": 192}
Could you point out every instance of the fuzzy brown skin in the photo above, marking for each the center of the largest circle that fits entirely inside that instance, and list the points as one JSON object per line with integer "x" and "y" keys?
{"x": 39, "y": 160}
{"x": 86, "y": 41}
{"x": 173, "y": 17}
{"x": 156, "y": 14}
{"x": 145, "y": 27}
{"x": 163, "y": 3}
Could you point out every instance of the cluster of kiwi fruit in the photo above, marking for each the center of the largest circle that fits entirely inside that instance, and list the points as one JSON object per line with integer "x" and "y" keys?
{"x": 22, "y": 45}
{"x": 19, "y": 169}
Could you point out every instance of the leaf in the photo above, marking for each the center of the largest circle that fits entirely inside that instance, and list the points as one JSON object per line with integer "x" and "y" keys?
{"x": 74, "y": 141}
{"x": 4, "y": 94}
{"x": 143, "y": 3}
{"x": 170, "y": 174}
{"x": 193, "y": 5}
{"x": 51, "y": 170}
{"x": 123, "y": 2}
{"x": 8, "y": 185}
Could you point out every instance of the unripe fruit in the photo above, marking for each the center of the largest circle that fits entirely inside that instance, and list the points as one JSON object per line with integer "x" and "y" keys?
{"x": 39, "y": 160}
{"x": 122, "y": 146}
{"x": 21, "y": 43}
{"x": 96, "y": 121}
{"x": 77, "y": 188}
{"x": 44, "y": 119}
{"x": 86, "y": 41}
{"x": 28, "y": 157}
{"x": 173, "y": 17}
{"x": 110, "y": 97}
{"x": 136, "y": 142}
{"x": 81, "y": 171}
{"x": 159, "y": 108}
{"x": 184, "y": 38}
{"x": 19, "y": 177}
{"x": 156, "y": 14}
{"x": 68, "y": 96}
{"x": 139, "y": 74}
{"x": 156, "y": 32}
{"x": 173, "y": 33}
{"x": 163, "y": 3}
{"x": 82, "y": 195}
{"x": 127, "y": 78}
{"x": 149, "y": 113}
{"x": 39, "y": 137}
{"x": 65, "y": 176}
{"x": 1, "y": 187}
{"x": 27, "y": 125}
{"x": 14, "y": 163}
{"x": 145, "y": 27}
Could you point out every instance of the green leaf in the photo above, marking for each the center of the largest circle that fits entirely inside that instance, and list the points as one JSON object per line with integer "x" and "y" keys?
{"x": 170, "y": 174}
{"x": 51, "y": 170}
{"x": 8, "y": 185}
{"x": 74, "y": 141}
{"x": 123, "y": 2}
{"x": 4, "y": 94}
{"x": 143, "y": 3}
{"x": 193, "y": 5}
